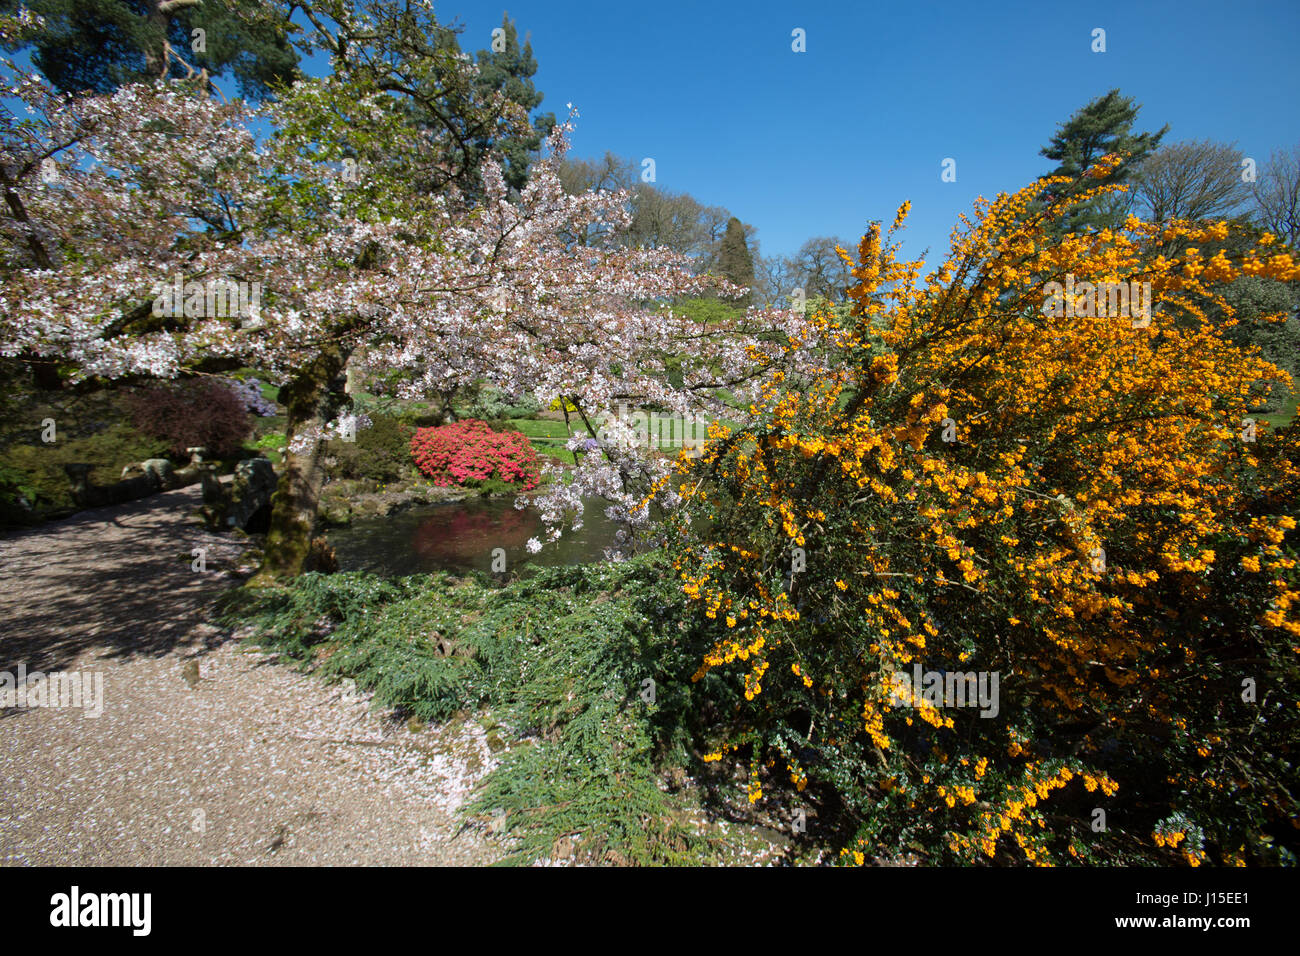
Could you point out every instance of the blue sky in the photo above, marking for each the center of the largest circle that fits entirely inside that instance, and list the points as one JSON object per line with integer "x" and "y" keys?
{"x": 820, "y": 143}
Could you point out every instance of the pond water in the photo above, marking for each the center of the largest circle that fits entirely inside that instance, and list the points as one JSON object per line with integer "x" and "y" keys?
{"x": 460, "y": 536}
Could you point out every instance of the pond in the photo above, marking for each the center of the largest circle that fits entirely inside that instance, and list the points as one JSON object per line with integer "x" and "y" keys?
{"x": 462, "y": 535}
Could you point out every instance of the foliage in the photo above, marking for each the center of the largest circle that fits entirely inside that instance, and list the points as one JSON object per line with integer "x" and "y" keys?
{"x": 660, "y": 218}
{"x": 972, "y": 486}
{"x": 108, "y": 449}
{"x": 271, "y": 441}
{"x": 472, "y": 454}
{"x": 558, "y": 661}
{"x": 510, "y": 70}
{"x": 562, "y": 404}
{"x": 708, "y": 311}
{"x": 1102, "y": 127}
{"x": 17, "y": 496}
{"x": 1252, "y": 299}
{"x": 492, "y": 404}
{"x": 734, "y": 259}
{"x": 207, "y": 413}
{"x": 98, "y": 45}
{"x": 380, "y": 452}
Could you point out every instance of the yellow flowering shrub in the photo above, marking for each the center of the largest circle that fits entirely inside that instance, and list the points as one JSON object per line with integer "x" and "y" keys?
{"x": 1082, "y": 506}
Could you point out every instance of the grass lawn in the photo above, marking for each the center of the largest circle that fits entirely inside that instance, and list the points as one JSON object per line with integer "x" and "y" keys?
{"x": 547, "y": 434}
{"x": 540, "y": 428}
{"x": 1282, "y": 417}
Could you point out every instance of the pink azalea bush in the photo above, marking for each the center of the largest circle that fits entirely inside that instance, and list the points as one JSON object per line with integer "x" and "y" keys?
{"x": 471, "y": 453}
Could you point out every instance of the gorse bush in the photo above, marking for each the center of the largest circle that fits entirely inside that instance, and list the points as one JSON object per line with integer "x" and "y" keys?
{"x": 470, "y": 453}
{"x": 208, "y": 413}
{"x": 1075, "y": 506}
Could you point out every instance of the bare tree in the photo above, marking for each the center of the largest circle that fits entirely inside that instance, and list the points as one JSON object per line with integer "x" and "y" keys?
{"x": 820, "y": 270}
{"x": 607, "y": 174}
{"x": 1277, "y": 196}
{"x": 1191, "y": 180}
{"x": 610, "y": 173}
{"x": 775, "y": 279}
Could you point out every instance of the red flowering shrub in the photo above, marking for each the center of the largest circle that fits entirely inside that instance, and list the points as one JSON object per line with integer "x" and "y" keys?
{"x": 471, "y": 453}
{"x": 209, "y": 413}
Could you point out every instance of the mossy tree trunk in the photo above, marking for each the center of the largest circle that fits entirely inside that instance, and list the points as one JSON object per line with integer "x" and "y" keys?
{"x": 310, "y": 399}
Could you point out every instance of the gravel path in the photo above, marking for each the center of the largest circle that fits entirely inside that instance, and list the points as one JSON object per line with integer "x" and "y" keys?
{"x": 205, "y": 752}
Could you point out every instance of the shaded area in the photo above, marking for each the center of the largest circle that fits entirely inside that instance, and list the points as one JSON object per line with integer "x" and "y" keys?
{"x": 117, "y": 579}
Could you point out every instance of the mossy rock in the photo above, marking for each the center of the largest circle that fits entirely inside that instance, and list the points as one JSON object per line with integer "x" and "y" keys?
{"x": 336, "y": 512}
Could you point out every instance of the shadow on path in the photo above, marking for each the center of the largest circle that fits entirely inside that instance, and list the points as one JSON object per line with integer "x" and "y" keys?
{"x": 118, "y": 580}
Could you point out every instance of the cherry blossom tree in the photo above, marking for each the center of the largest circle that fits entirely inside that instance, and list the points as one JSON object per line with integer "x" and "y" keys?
{"x": 349, "y": 216}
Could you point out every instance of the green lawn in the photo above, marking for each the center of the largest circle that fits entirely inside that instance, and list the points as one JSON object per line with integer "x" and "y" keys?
{"x": 1282, "y": 417}
{"x": 540, "y": 428}
{"x": 549, "y": 435}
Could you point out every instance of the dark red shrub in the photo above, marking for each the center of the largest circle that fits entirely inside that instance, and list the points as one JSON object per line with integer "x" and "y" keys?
{"x": 470, "y": 453}
{"x": 185, "y": 414}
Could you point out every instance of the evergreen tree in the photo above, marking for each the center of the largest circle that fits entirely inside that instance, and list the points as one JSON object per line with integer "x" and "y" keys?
{"x": 510, "y": 71}
{"x": 734, "y": 261}
{"x": 98, "y": 45}
{"x": 1101, "y": 127}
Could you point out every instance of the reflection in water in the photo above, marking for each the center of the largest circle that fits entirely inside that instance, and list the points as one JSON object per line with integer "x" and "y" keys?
{"x": 461, "y": 536}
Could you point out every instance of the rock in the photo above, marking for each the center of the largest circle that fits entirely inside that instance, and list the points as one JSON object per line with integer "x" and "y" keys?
{"x": 250, "y": 496}
{"x": 87, "y": 495}
{"x": 244, "y": 505}
{"x": 335, "y": 511}
{"x": 160, "y": 469}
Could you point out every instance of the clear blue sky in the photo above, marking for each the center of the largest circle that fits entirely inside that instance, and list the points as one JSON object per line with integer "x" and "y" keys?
{"x": 819, "y": 143}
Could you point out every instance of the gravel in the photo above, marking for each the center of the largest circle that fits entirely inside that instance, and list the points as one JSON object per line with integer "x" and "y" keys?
{"x": 252, "y": 763}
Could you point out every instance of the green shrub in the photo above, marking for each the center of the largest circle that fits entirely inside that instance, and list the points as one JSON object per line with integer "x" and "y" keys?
{"x": 492, "y": 404}
{"x": 108, "y": 450}
{"x": 380, "y": 452}
{"x": 272, "y": 444}
{"x": 17, "y": 497}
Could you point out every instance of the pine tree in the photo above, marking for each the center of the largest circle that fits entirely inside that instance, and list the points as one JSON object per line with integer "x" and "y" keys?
{"x": 510, "y": 71}
{"x": 734, "y": 260}
{"x": 1101, "y": 127}
{"x": 98, "y": 45}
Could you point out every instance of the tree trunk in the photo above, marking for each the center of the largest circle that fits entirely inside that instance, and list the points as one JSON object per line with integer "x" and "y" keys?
{"x": 311, "y": 399}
